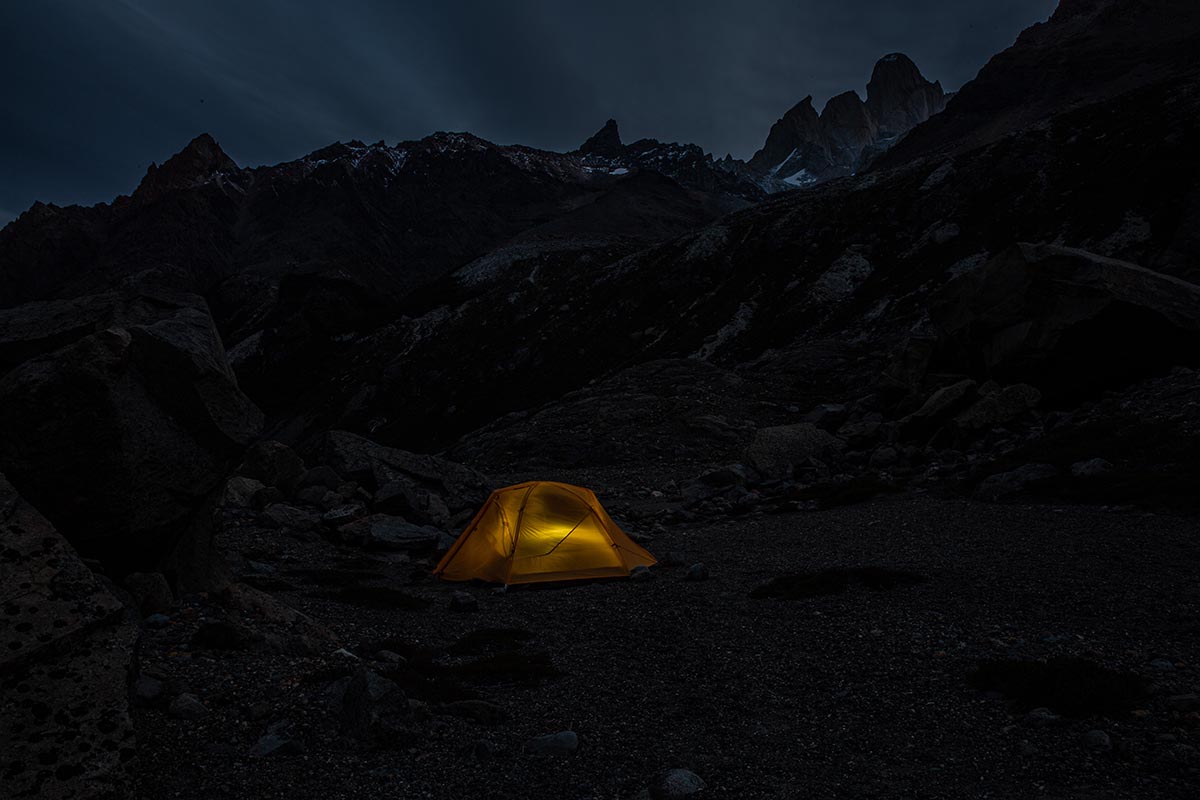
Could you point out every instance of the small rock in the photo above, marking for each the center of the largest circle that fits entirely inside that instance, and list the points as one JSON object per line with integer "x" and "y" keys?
{"x": 1163, "y": 664}
{"x": 1040, "y": 717}
{"x": 1184, "y": 702}
{"x": 343, "y": 514}
{"x": 640, "y": 573}
{"x": 391, "y": 657}
{"x": 344, "y": 653}
{"x": 157, "y": 621}
{"x": 671, "y": 559}
{"x": 282, "y": 515}
{"x": 676, "y": 783}
{"x": 274, "y": 744}
{"x": 696, "y": 572}
{"x": 1097, "y": 740}
{"x": 1090, "y": 468}
{"x": 240, "y": 492}
{"x": 563, "y": 743}
{"x": 322, "y": 476}
{"x": 463, "y": 601}
{"x": 187, "y": 706}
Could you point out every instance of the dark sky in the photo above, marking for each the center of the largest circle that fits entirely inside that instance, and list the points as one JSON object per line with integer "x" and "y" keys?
{"x": 94, "y": 90}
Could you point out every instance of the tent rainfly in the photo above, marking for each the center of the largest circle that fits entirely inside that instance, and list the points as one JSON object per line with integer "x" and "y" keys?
{"x": 541, "y": 531}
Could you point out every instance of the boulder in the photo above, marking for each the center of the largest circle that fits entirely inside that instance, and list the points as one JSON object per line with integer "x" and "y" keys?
{"x": 288, "y": 517}
{"x": 151, "y": 592}
{"x": 385, "y": 532}
{"x": 1066, "y": 320}
{"x": 997, "y": 407}
{"x": 241, "y": 492}
{"x": 66, "y": 666}
{"x": 1003, "y": 484}
{"x": 775, "y": 452}
{"x": 376, "y": 466}
{"x": 121, "y": 419}
{"x": 937, "y": 409}
{"x": 274, "y": 464}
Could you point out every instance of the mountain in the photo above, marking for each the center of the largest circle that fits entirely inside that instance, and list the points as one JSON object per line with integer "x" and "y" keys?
{"x": 972, "y": 361}
{"x": 804, "y": 148}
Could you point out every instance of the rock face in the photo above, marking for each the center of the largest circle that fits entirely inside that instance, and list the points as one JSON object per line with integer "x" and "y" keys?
{"x": 1066, "y": 320}
{"x": 65, "y": 666}
{"x": 424, "y": 489}
{"x": 122, "y": 417}
{"x": 804, "y": 148}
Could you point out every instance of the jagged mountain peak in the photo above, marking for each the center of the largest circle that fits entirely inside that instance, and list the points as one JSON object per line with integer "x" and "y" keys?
{"x": 604, "y": 142}
{"x": 196, "y": 162}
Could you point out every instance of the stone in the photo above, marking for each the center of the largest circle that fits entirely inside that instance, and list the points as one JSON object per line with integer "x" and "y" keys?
{"x": 66, "y": 663}
{"x": 375, "y": 466}
{"x": 1090, "y": 468}
{"x": 288, "y": 517}
{"x": 1004, "y": 484}
{"x": 241, "y": 492}
{"x": 775, "y": 452}
{"x": 374, "y": 709}
{"x": 314, "y": 495}
{"x": 676, "y": 783}
{"x": 641, "y": 573}
{"x": 275, "y": 464}
{"x": 324, "y": 476}
{"x": 1096, "y": 740}
{"x": 187, "y": 706}
{"x": 275, "y": 744}
{"x": 938, "y": 408}
{"x": 150, "y": 591}
{"x": 563, "y": 743}
{"x": 696, "y": 572}
{"x": 1184, "y": 702}
{"x": 884, "y": 457}
{"x": 463, "y": 601}
{"x": 385, "y": 532}
{"x": 343, "y": 514}
{"x": 1040, "y": 718}
{"x": 121, "y": 419}
{"x": 157, "y": 621}
{"x": 391, "y": 657}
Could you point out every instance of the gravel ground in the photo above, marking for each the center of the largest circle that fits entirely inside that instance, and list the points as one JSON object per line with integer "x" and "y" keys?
{"x": 861, "y": 693}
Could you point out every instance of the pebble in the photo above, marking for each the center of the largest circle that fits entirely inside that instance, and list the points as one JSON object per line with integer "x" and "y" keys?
{"x": 1097, "y": 740}
{"x": 696, "y": 572}
{"x": 676, "y": 783}
{"x": 187, "y": 706}
{"x": 640, "y": 573}
{"x": 157, "y": 621}
{"x": 273, "y": 744}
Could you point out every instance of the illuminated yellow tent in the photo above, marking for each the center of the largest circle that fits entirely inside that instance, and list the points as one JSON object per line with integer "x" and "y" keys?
{"x": 541, "y": 531}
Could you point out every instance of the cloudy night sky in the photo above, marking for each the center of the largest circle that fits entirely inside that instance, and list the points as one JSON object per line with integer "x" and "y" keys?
{"x": 95, "y": 91}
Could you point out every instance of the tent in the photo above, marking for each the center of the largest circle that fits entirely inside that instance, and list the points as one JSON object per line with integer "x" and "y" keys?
{"x": 541, "y": 531}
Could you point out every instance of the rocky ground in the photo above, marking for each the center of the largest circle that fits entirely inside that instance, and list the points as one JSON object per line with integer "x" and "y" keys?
{"x": 864, "y": 682}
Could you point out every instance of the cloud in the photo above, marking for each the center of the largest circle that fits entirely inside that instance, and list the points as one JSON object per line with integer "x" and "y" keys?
{"x": 106, "y": 88}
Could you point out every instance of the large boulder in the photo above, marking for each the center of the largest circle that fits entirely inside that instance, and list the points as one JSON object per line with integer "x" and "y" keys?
{"x": 121, "y": 419}
{"x": 1067, "y": 321}
{"x": 776, "y": 452}
{"x": 423, "y": 488}
{"x": 66, "y": 654}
